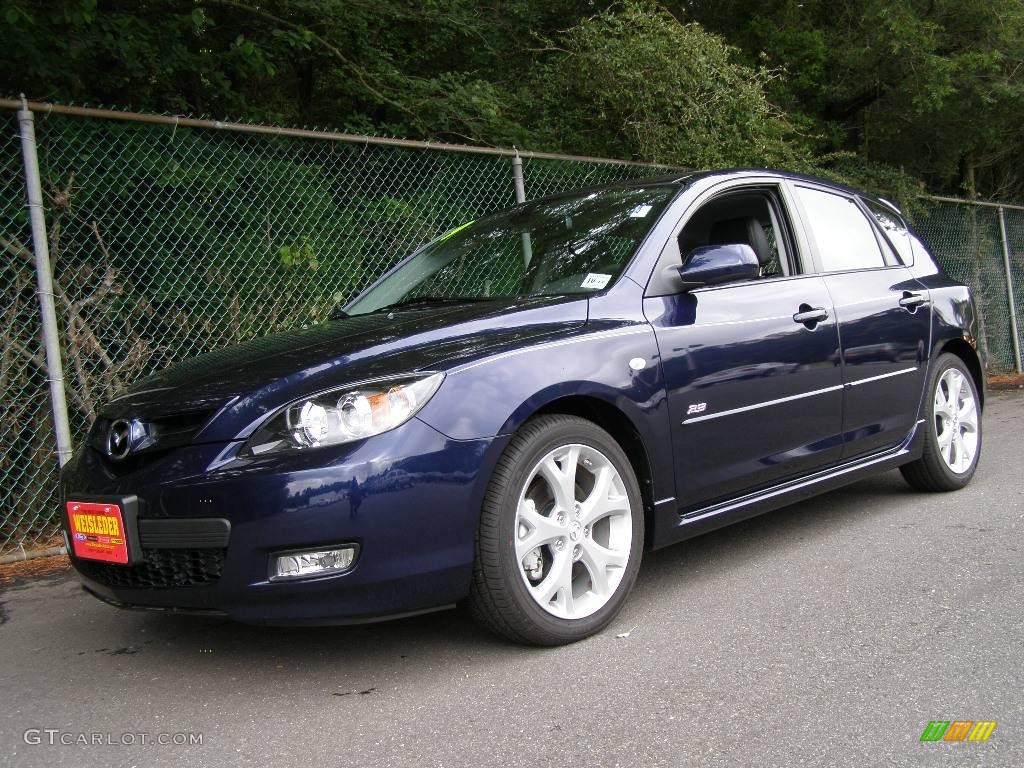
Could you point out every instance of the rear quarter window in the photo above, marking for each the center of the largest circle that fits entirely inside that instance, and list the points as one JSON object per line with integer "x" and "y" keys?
{"x": 895, "y": 230}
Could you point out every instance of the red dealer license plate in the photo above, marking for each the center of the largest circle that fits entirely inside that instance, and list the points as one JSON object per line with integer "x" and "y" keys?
{"x": 97, "y": 531}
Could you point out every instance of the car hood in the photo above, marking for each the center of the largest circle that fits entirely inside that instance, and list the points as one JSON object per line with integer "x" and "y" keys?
{"x": 246, "y": 381}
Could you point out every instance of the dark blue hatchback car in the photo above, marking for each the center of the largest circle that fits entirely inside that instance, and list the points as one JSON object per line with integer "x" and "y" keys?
{"x": 519, "y": 409}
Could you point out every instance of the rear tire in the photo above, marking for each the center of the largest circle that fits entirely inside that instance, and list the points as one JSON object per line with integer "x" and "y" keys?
{"x": 952, "y": 429}
{"x": 561, "y": 534}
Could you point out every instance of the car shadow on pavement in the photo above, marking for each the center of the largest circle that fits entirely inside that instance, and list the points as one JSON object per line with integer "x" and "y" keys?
{"x": 449, "y": 639}
{"x": 769, "y": 534}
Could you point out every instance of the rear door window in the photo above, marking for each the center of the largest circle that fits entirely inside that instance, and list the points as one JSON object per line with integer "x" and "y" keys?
{"x": 844, "y": 236}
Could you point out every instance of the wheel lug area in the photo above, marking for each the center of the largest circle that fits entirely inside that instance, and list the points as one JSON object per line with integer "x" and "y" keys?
{"x": 570, "y": 569}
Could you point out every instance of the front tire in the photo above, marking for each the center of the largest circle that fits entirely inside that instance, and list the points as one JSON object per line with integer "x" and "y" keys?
{"x": 952, "y": 439}
{"x": 561, "y": 534}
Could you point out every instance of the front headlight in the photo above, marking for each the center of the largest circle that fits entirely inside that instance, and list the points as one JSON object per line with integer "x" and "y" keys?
{"x": 344, "y": 415}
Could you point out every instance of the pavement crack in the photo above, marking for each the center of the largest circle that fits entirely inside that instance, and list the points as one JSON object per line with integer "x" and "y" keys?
{"x": 365, "y": 692}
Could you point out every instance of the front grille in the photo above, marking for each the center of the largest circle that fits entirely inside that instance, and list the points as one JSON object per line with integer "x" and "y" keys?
{"x": 163, "y": 433}
{"x": 159, "y": 569}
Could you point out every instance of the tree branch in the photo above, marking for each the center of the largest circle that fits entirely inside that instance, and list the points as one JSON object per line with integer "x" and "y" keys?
{"x": 15, "y": 248}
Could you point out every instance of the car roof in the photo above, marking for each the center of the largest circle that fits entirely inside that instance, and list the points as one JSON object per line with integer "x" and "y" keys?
{"x": 684, "y": 178}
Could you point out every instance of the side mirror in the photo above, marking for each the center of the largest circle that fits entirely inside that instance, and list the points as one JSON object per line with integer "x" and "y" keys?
{"x": 713, "y": 264}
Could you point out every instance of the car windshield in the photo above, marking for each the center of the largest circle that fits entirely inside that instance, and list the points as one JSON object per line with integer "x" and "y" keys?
{"x": 567, "y": 245}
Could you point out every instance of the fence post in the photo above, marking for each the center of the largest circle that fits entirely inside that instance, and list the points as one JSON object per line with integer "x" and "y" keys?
{"x": 517, "y": 179}
{"x": 1009, "y": 289}
{"x": 44, "y": 281}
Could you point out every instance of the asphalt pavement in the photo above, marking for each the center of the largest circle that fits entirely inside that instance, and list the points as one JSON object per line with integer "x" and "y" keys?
{"x": 827, "y": 633}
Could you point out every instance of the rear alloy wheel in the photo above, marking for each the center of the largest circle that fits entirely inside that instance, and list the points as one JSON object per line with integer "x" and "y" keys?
{"x": 561, "y": 534}
{"x": 952, "y": 440}
{"x": 956, "y": 421}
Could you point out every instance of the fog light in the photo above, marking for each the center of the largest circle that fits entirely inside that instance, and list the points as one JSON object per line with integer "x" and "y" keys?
{"x": 304, "y": 565}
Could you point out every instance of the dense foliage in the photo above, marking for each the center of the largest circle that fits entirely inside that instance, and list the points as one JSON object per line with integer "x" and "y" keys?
{"x": 881, "y": 92}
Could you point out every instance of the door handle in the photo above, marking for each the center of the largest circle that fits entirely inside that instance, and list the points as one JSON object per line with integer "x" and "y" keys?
{"x": 912, "y": 301}
{"x": 810, "y": 315}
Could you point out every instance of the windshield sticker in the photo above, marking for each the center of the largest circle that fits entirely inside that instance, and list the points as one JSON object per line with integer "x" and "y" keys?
{"x": 596, "y": 281}
{"x": 640, "y": 211}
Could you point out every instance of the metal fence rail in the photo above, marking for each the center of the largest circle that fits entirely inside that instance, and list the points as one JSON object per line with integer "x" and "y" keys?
{"x": 171, "y": 236}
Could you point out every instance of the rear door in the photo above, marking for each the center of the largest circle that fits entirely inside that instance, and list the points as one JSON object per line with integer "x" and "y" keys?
{"x": 751, "y": 368}
{"x": 884, "y": 315}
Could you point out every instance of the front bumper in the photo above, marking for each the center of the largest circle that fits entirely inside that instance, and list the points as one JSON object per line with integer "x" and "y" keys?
{"x": 409, "y": 498}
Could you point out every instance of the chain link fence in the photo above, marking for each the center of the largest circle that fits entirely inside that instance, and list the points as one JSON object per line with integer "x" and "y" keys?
{"x": 968, "y": 241}
{"x": 169, "y": 238}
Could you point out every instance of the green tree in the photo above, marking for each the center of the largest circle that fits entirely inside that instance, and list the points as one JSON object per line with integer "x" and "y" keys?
{"x": 934, "y": 87}
{"x": 876, "y": 91}
{"x": 634, "y": 82}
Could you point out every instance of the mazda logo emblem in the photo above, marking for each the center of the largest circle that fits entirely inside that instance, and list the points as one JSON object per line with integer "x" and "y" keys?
{"x": 119, "y": 440}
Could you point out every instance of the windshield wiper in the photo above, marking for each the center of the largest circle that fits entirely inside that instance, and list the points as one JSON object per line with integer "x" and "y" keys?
{"x": 427, "y": 301}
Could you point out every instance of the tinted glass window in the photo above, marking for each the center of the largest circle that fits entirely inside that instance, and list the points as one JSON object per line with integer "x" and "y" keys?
{"x": 566, "y": 245}
{"x": 894, "y": 229}
{"x": 745, "y": 218}
{"x": 773, "y": 267}
{"x": 844, "y": 236}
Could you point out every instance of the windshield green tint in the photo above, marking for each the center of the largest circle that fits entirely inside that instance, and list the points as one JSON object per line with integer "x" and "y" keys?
{"x": 568, "y": 245}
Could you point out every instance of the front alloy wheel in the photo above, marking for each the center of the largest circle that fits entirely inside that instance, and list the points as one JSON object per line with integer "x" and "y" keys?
{"x": 560, "y": 536}
{"x": 574, "y": 528}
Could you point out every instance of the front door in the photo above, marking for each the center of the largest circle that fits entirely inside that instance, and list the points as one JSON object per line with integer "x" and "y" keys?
{"x": 752, "y": 369}
{"x": 754, "y": 396}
